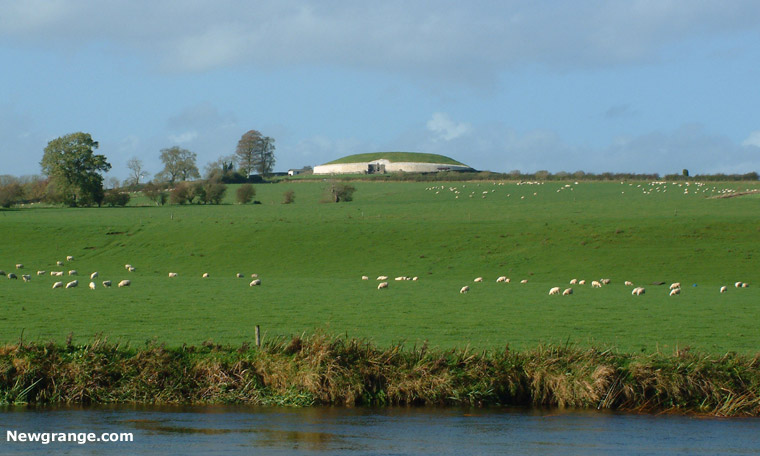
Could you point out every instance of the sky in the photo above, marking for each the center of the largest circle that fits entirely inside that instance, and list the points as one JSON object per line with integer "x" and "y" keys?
{"x": 645, "y": 86}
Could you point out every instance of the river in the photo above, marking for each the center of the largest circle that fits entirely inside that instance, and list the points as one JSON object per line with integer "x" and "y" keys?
{"x": 237, "y": 430}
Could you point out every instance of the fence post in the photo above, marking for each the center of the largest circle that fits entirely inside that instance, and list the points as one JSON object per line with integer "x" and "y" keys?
{"x": 258, "y": 336}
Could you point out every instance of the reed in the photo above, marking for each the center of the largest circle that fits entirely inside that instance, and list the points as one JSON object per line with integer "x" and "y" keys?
{"x": 320, "y": 369}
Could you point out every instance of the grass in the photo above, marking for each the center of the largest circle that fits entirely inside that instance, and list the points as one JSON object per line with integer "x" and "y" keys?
{"x": 310, "y": 257}
{"x": 396, "y": 157}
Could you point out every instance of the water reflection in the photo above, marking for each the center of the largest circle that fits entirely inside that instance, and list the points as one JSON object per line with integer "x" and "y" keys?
{"x": 190, "y": 431}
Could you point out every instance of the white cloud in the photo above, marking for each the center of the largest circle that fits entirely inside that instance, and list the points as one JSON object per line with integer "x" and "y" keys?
{"x": 184, "y": 137}
{"x": 753, "y": 139}
{"x": 445, "y": 128}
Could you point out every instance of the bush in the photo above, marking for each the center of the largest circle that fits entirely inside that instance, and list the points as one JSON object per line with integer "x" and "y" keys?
{"x": 155, "y": 193}
{"x": 288, "y": 197}
{"x": 181, "y": 193}
{"x": 10, "y": 194}
{"x": 245, "y": 193}
{"x": 340, "y": 192}
{"x": 115, "y": 198}
{"x": 214, "y": 191}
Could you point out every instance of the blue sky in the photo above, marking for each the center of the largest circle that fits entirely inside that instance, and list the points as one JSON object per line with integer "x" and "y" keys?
{"x": 621, "y": 86}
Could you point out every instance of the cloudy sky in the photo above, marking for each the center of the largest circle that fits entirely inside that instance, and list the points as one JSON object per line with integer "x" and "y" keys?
{"x": 593, "y": 85}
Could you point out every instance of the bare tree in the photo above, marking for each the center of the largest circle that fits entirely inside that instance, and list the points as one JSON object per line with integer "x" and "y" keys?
{"x": 137, "y": 170}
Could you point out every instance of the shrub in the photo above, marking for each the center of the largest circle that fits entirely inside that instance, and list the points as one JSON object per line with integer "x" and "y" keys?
{"x": 288, "y": 197}
{"x": 214, "y": 191}
{"x": 115, "y": 198}
{"x": 245, "y": 193}
{"x": 155, "y": 193}
{"x": 181, "y": 193}
{"x": 340, "y": 192}
{"x": 10, "y": 194}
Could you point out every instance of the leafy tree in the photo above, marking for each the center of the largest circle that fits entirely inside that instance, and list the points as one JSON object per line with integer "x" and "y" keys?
{"x": 115, "y": 198}
{"x": 155, "y": 193}
{"x": 255, "y": 153}
{"x": 179, "y": 165}
{"x": 181, "y": 194}
{"x": 136, "y": 170}
{"x": 74, "y": 169}
{"x": 10, "y": 194}
{"x": 245, "y": 193}
{"x": 215, "y": 191}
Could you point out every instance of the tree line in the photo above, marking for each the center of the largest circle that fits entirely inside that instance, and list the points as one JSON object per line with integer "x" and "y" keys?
{"x": 72, "y": 174}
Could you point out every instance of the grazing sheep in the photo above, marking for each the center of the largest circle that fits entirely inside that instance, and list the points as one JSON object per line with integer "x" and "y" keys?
{"x": 596, "y": 284}
{"x": 12, "y": 276}
{"x": 554, "y": 291}
{"x": 398, "y": 279}
{"x": 72, "y": 272}
{"x": 172, "y": 274}
{"x": 723, "y": 289}
{"x": 39, "y": 273}
{"x": 2, "y": 273}
{"x": 19, "y": 266}
{"x": 605, "y": 281}
{"x": 675, "y": 285}
{"x": 124, "y": 283}
{"x": 58, "y": 285}
{"x": 675, "y": 291}
{"x": 573, "y": 281}
{"x": 582, "y": 282}
{"x": 415, "y": 278}
{"x": 69, "y": 258}
{"x": 255, "y": 283}
{"x": 72, "y": 284}
{"x": 93, "y": 275}
{"x": 26, "y": 277}
{"x": 745, "y": 285}
{"x": 205, "y": 275}
{"x": 131, "y": 269}
{"x": 524, "y": 281}
{"x": 382, "y": 285}
{"x": 56, "y": 273}
{"x": 628, "y": 283}
{"x": 254, "y": 276}
{"x": 365, "y": 278}
{"x": 127, "y": 267}
{"x": 59, "y": 263}
{"x": 567, "y": 292}
{"x": 501, "y": 279}
{"x": 638, "y": 291}
{"x": 92, "y": 285}
{"x": 464, "y": 289}
{"x": 107, "y": 284}
{"x": 239, "y": 275}
{"x": 382, "y": 278}
{"x": 478, "y": 279}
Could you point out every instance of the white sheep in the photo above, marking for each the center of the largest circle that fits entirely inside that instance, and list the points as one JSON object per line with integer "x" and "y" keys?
{"x": 382, "y": 278}
{"x": 605, "y": 281}
{"x": 239, "y": 275}
{"x": 127, "y": 267}
{"x": 723, "y": 289}
{"x": 72, "y": 272}
{"x": 628, "y": 283}
{"x": 205, "y": 275}
{"x": 59, "y": 263}
{"x": 596, "y": 284}
{"x": 56, "y": 273}
{"x": 131, "y": 269}
{"x": 582, "y": 282}
{"x": 106, "y": 284}
{"x": 2, "y": 273}
{"x": 415, "y": 278}
{"x": 39, "y": 273}
{"x": 124, "y": 283}
{"x": 738, "y": 284}
{"x": 365, "y": 278}
{"x": 69, "y": 258}
{"x": 464, "y": 289}
{"x": 675, "y": 291}
{"x": 255, "y": 283}
{"x": 478, "y": 279}
{"x": 12, "y": 276}
{"x": 638, "y": 291}
{"x": 745, "y": 285}
{"x": 675, "y": 285}
{"x": 524, "y": 281}
{"x": 58, "y": 285}
{"x": 19, "y": 266}
{"x": 573, "y": 281}
{"x": 382, "y": 285}
{"x": 398, "y": 279}
{"x": 93, "y": 275}
{"x": 172, "y": 274}
{"x": 92, "y": 285}
{"x": 26, "y": 277}
{"x": 554, "y": 291}
{"x": 567, "y": 292}
{"x": 72, "y": 284}
{"x": 254, "y": 276}
{"x": 501, "y": 279}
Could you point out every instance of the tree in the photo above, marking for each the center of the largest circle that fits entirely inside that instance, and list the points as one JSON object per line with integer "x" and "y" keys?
{"x": 255, "y": 153}
{"x": 179, "y": 165}
{"x": 74, "y": 169}
{"x": 137, "y": 170}
{"x": 10, "y": 194}
{"x": 155, "y": 193}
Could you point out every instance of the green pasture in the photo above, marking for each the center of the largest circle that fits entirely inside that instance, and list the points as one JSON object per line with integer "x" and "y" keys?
{"x": 311, "y": 256}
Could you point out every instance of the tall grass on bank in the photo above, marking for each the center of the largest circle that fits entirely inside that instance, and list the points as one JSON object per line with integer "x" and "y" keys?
{"x": 318, "y": 369}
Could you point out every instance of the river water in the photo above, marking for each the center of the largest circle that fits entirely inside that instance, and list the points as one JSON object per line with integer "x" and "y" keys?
{"x": 227, "y": 430}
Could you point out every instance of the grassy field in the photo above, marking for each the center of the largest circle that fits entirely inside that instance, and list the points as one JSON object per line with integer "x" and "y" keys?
{"x": 396, "y": 157}
{"x": 311, "y": 256}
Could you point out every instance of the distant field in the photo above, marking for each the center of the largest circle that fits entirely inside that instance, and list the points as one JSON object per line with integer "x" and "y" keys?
{"x": 311, "y": 256}
{"x": 396, "y": 157}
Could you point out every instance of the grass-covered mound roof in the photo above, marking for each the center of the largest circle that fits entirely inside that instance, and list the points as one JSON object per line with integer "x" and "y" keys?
{"x": 392, "y": 157}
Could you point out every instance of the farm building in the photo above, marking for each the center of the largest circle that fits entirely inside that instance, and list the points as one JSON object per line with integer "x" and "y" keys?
{"x": 391, "y": 162}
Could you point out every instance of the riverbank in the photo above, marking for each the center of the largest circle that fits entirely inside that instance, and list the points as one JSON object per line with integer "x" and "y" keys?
{"x": 322, "y": 370}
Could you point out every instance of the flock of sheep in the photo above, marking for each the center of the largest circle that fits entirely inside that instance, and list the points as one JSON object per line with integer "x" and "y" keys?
{"x": 674, "y": 289}
{"x": 94, "y": 275}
